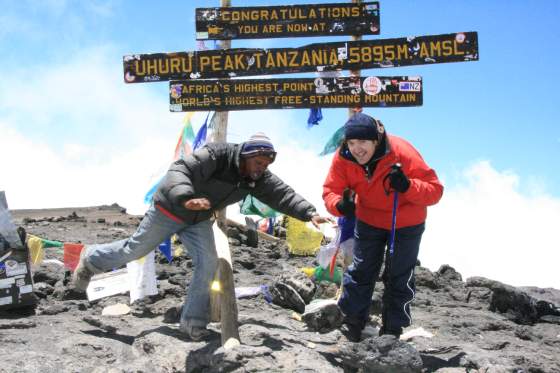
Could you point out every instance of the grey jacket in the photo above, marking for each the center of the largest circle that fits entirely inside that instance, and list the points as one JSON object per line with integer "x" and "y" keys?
{"x": 212, "y": 172}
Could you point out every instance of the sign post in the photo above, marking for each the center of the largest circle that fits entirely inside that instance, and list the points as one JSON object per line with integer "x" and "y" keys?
{"x": 295, "y": 93}
{"x": 288, "y": 21}
{"x": 350, "y": 55}
{"x": 351, "y": 110}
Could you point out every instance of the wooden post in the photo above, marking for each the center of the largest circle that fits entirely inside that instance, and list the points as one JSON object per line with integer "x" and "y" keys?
{"x": 220, "y": 128}
{"x": 223, "y": 305}
{"x": 222, "y": 297}
{"x": 354, "y": 72}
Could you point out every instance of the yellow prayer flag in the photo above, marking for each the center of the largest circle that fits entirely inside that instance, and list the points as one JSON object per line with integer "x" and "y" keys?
{"x": 36, "y": 252}
{"x": 301, "y": 239}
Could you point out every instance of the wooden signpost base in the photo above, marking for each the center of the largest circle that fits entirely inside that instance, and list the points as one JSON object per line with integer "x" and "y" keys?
{"x": 223, "y": 305}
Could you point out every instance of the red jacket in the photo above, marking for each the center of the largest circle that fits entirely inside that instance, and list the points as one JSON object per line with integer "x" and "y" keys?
{"x": 373, "y": 205}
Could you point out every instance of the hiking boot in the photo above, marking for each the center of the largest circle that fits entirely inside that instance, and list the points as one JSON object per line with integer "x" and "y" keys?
{"x": 195, "y": 333}
{"x": 395, "y": 332}
{"x": 82, "y": 274}
{"x": 352, "y": 332}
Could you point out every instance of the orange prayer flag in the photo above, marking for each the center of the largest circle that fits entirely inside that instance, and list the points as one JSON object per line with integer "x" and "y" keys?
{"x": 72, "y": 255}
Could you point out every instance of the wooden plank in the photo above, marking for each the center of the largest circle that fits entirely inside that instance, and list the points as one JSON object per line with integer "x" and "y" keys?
{"x": 288, "y": 21}
{"x": 225, "y": 298}
{"x": 351, "y": 55}
{"x": 324, "y": 92}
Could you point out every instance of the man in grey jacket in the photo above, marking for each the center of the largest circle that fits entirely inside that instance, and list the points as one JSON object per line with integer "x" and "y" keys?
{"x": 206, "y": 181}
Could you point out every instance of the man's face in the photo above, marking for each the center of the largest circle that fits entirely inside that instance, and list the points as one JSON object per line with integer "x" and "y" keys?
{"x": 256, "y": 166}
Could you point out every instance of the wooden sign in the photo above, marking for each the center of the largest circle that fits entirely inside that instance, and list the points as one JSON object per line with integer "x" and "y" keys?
{"x": 351, "y": 55}
{"x": 287, "y": 21}
{"x": 249, "y": 94}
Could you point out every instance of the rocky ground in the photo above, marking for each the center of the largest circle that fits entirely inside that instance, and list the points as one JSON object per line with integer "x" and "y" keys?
{"x": 477, "y": 325}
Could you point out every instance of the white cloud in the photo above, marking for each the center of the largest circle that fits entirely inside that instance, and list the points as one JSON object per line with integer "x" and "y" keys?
{"x": 76, "y": 135}
{"x": 485, "y": 226}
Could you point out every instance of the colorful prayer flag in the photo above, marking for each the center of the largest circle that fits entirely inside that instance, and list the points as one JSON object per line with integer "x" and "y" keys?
{"x": 72, "y": 255}
{"x": 334, "y": 142}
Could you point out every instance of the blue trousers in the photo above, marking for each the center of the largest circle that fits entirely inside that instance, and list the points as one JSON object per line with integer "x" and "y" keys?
{"x": 359, "y": 280}
{"x": 153, "y": 230}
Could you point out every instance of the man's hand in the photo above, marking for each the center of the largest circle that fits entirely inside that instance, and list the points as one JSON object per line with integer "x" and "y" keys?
{"x": 197, "y": 204}
{"x": 398, "y": 180}
{"x": 346, "y": 205}
{"x": 317, "y": 219}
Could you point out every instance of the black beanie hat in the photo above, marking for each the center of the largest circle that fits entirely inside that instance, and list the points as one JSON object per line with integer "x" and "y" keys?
{"x": 362, "y": 127}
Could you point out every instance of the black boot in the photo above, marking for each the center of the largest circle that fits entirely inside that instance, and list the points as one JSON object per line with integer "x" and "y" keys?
{"x": 393, "y": 331}
{"x": 352, "y": 332}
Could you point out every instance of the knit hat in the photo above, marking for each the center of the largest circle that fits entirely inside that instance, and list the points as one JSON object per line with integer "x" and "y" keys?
{"x": 363, "y": 127}
{"x": 258, "y": 144}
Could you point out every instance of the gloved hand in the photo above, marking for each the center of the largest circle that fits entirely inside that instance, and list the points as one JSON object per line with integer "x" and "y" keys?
{"x": 346, "y": 205}
{"x": 398, "y": 180}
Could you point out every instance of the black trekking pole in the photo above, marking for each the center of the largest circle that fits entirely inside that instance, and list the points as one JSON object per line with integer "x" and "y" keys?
{"x": 391, "y": 247}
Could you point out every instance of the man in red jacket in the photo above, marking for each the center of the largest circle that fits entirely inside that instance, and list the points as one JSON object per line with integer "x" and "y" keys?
{"x": 360, "y": 182}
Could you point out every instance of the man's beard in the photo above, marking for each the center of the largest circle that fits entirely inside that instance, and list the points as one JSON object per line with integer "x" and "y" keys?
{"x": 255, "y": 175}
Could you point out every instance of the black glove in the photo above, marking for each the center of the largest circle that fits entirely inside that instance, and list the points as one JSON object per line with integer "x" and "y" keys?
{"x": 398, "y": 180}
{"x": 346, "y": 205}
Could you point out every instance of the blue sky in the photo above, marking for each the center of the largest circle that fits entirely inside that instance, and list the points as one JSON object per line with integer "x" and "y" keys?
{"x": 74, "y": 134}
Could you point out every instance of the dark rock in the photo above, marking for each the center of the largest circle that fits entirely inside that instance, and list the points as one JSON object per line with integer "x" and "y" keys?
{"x": 17, "y": 324}
{"x": 446, "y": 272}
{"x": 62, "y": 292}
{"x": 99, "y": 324}
{"x": 525, "y": 333}
{"x": 482, "y": 282}
{"x": 251, "y": 233}
{"x": 286, "y": 296}
{"x": 53, "y": 310}
{"x": 381, "y": 354}
{"x": 274, "y": 255}
{"x": 246, "y": 264}
{"x": 49, "y": 273}
{"x": 549, "y": 295}
{"x": 234, "y": 241}
{"x": 546, "y": 308}
{"x": 172, "y": 315}
{"x": 246, "y": 358}
{"x": 42, "y": 289}
{"x": 322, "y": 316}
{"x": 551, "y": 319}
{"x": 425, "y": 277}
{"x": 166, "y": 288}
{"x": 142, "y": 308}
{"x": 518, "y": 306}
{"x": 301, "y": 283}
{"x": 480, "y": 295}
{"x": 233, "y": 232}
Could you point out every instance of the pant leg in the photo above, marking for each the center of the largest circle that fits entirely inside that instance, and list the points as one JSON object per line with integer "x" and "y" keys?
{"x": 199, "y": 241}
{"x": 400, "y": 287}
{"x": 153, "y": 230}
{"x": 359, "y": 279}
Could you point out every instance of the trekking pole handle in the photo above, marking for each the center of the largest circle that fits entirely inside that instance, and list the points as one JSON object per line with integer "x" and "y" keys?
{"x": 396, "y": 166}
